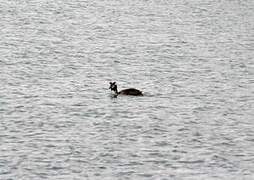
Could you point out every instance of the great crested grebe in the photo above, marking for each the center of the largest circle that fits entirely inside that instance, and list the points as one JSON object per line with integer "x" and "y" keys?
{"x": 130, "y": 91}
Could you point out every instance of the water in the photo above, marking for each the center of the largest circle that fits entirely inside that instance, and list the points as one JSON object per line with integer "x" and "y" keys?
{"x": 192, "y": 59}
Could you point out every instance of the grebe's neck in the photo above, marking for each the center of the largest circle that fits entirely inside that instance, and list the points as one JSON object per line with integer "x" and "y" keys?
{"x": 116, "y": 91}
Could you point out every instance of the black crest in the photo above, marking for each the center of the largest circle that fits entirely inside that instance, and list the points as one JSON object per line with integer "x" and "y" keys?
{"x": 113, "y": 86}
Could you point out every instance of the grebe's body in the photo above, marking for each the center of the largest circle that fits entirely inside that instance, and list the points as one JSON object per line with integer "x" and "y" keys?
{"x": 130, "y": 91}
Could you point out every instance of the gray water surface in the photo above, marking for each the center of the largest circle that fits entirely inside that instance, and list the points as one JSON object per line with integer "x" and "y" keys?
{"x": 194, "y": 61}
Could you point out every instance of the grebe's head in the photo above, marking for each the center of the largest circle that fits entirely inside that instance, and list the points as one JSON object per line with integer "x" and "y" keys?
{"x": 113, "y": 86}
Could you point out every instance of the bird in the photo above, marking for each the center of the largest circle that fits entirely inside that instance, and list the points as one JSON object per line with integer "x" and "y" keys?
{"x": 129, "y": 91}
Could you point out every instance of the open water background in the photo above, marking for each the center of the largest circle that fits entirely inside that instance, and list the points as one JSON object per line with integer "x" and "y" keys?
{"x": 193, "y": 59}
